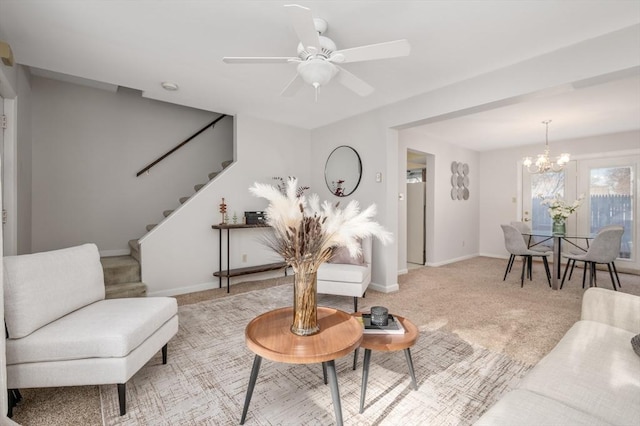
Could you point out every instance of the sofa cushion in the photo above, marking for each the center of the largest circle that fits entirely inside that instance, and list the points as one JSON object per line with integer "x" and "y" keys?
{"x": 343, "y": 272}
{"x": 592, "y": 370}
{"x": 107, "y": 328}
{"x": 524, "y": 408}
{"x": 42, "y": 287}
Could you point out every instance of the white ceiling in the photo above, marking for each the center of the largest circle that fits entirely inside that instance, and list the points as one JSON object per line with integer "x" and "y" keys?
{"x": 139, "y": 44}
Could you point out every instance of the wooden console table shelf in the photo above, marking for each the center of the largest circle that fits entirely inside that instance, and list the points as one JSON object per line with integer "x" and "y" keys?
{"x": 228, "y": 273}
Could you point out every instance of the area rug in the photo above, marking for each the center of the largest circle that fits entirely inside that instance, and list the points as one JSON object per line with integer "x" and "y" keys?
{"x": 206, "y": 377}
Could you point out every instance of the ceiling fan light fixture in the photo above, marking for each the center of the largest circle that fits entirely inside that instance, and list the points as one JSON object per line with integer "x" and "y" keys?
{"x": 317, "y": 72}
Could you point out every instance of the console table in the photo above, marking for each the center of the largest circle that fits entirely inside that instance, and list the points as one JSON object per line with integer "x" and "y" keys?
{"x": 228, "y": 273}
{"x": 269, "y": 336}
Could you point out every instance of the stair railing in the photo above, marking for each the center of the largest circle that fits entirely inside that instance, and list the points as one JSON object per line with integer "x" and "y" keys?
{"x": 150, "y": 165}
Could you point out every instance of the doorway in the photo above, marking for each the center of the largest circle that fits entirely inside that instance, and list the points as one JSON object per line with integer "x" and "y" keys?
{"x": 416, "y": 208}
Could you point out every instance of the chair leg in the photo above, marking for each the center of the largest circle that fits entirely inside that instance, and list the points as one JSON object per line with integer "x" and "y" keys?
{"x": 355, "y": 304}
{"x": 546, "y": 269}
{"x": 122, "y": 398}
{"x": 164, "y": 353}
{"x": 584, "y": 273}
{"x": 509, "y": 264}
{"x": 14, "y": 397}
{"x": 613, "y": 281}
{"x": 616, "y": 272}
{"x": 573, "y": 265}
{"x": 524, "y": 266}
{"x": 566, "y": 269}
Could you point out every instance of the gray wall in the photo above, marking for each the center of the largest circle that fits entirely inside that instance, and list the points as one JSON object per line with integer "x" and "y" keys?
{"x": 88, "y": 145}
{"x": 24, "y": 162}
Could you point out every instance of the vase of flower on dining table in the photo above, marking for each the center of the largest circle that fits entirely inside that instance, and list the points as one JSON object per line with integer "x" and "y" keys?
{"x": 306, "y": 233}
{"x": 560, "y": 210}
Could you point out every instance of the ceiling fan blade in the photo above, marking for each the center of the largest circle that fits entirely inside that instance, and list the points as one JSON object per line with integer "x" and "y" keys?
{"x": 390, "y": 49}
{"x": 257, "y": 60}
{"x": 304, "y": 27}
{"x": 293, "y": 87}
{"x": 353, "y": 83}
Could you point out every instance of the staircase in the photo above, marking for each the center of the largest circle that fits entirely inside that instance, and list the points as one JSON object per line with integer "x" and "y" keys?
{"x": 134, "y": 246}
{"x": 122, "y": 277}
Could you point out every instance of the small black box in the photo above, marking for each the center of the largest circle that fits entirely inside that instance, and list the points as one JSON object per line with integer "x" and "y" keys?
{"x": 255, "y": 218}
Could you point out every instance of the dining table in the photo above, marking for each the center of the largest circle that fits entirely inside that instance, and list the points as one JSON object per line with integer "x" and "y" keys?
{"x": 538, "y": 238}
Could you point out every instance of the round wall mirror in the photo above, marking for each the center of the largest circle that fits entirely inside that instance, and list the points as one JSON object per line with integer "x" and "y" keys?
{"x": 343, "y": 171}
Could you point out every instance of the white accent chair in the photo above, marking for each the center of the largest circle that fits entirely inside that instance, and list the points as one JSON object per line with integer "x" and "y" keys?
{"x": 62, "y": 332}
{"x": 347, "y": 279}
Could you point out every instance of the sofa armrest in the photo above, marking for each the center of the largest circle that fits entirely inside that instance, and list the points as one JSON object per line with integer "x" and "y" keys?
{"x": 610, "y": 307}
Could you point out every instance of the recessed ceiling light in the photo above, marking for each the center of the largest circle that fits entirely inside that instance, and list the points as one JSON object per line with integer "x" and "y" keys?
{"x": 166, "y": 85}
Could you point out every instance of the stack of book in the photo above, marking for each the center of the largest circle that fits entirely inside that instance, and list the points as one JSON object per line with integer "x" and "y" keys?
{"x": 393, "y": 326}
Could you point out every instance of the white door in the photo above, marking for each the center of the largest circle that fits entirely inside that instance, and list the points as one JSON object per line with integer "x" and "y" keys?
{"x": 416, "y": 195}
{"x": 610, "y": 189}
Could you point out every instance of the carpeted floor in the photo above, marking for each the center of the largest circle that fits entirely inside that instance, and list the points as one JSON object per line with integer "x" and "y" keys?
{"x": 469, "y": 318}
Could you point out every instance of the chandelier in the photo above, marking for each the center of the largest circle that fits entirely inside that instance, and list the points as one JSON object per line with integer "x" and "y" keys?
{"x": 543, "y": 163}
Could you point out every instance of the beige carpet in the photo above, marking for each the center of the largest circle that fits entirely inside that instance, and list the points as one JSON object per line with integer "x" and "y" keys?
{"x": 467, "y": 301}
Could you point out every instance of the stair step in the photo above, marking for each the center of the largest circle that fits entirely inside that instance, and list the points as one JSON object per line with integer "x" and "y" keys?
{"x": 151, "y": 226}
{"x": 134, "y": 245}
{"x": 198, "y": 187}
{"x": 213, "y": 174}
{"x": 120, "y": 269}
{"x": 130, "y": 289}
{"x": 226, "y": 164}
{"x": 167, "y": 212}
{"x": 184, "y": 200}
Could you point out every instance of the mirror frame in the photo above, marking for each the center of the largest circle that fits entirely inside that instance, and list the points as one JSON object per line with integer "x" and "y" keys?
{"x": 345, "y": 192}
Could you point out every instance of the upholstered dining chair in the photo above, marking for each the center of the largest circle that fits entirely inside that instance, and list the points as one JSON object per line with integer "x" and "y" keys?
{"x": 541, "y": 246}
{"x": 604, "y": 249}
{"x": 516, "y": 246}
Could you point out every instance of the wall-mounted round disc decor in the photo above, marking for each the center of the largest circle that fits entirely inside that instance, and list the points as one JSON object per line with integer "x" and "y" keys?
{"x": 459, "y": 181}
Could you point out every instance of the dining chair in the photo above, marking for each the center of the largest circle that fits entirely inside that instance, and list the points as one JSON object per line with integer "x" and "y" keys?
{"x": 516, "y": 246}
{"x": 541, "y": 246}
{"x": 604, "y": 249}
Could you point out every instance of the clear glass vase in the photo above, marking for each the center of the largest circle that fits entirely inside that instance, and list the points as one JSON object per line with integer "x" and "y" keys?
{"x": 559, "y": 228}
{"x": 305, "y": 306}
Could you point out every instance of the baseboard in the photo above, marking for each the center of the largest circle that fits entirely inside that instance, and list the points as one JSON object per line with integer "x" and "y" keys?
{"x": 403, "y": 271}
{"x": 119, "y": 252}
{"x": 184, "y": 290}
{"x": 448, "y": 261}
{"x": 384, "y": 289}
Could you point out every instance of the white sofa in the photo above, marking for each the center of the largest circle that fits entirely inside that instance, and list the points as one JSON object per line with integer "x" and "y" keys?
{"x": 591, "y": 377}
{"x": 62, "y": 332}
{"x": 347, "y": 279}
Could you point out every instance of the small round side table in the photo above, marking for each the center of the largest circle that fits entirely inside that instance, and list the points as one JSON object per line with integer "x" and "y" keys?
{"x": 386, "y": 343}
{"x": 269, "y": 336}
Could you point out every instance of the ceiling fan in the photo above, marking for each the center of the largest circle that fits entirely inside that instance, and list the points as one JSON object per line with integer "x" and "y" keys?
{"x": 318, "y": 56}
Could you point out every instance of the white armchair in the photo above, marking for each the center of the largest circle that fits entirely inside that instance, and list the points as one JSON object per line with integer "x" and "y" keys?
{"x": 347, "y": 279}
{"x": 62, "y": 332}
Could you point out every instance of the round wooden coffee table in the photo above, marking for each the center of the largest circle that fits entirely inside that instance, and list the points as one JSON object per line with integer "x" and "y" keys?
{"x": 387, "y": 343}
{"x": 269, "y": 336}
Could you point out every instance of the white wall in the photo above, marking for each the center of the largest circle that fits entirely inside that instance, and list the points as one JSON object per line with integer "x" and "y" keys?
{"x": 499, "y": 192}
{"x": 375, "y": 134}
{"x": 182, "y": 254}
{"x": 452, "y": 226}
{"x": 88, "y": 145}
